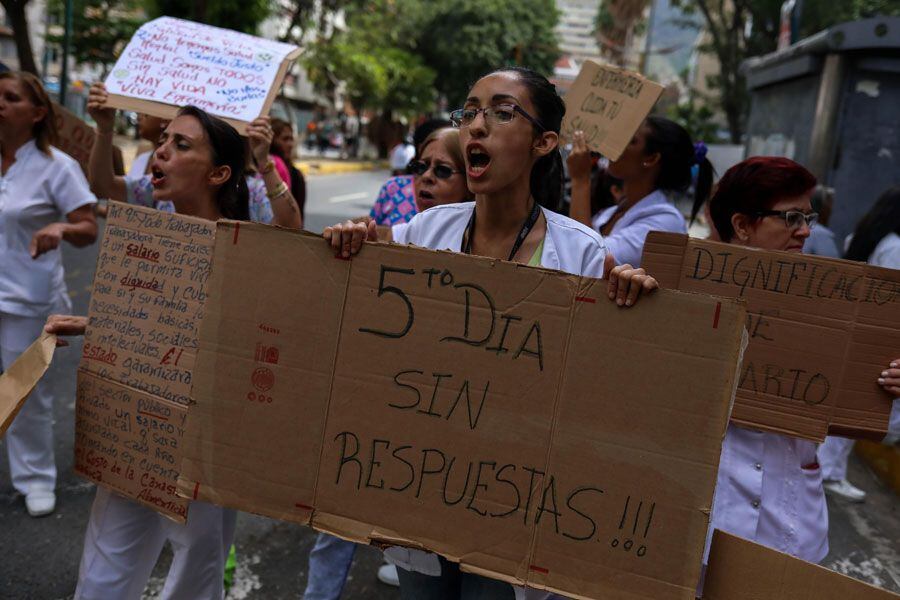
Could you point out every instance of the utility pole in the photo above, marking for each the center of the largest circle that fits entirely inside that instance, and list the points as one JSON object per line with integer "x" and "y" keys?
{"x": 67, "y": 37}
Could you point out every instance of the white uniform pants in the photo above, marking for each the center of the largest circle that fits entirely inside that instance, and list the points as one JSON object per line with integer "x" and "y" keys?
{"x": 124, "y": 539}
{"x": 29, "y": 439}
{"x": 833, "y": 455}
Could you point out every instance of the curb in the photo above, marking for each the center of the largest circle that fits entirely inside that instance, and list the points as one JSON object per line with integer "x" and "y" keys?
{"x": 883, "y": 459}
{"x": 315, "y": 167}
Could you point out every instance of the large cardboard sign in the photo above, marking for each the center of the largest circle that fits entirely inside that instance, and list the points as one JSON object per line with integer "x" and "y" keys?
{"x": 170, "y": 63}
{"x": 18, "y": 379}
{"x": 743, "y": 570}
{"x": 135, "y": 376}
{"x": 609, "y": 104}
{"x": 510, "y": 418}
{"x": 76, "y": 138}
{"x": 821, "y": 330}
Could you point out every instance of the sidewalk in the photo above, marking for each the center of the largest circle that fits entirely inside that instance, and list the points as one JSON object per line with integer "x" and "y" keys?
{"x": 333, "y": 166}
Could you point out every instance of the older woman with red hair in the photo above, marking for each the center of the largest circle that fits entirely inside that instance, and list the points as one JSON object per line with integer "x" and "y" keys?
{"x": 769, "y": 487}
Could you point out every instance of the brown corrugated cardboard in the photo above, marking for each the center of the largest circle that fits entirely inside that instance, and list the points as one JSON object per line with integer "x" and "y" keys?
{"x": 75, "y": 138}
{"x": 821, "y": 330}
{"x": 19, "y": 378}
{"x": 608, "y": 104}
{"x": 510, "y": 418}
{"x": 134, "y": 380}
{"x": 743, "y": 570}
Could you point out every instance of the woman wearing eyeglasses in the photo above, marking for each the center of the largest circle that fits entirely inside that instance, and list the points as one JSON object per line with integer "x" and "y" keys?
{"x": 509, "y": 132}
{"x": 439, "y": 175}
{"x": 769, "y": 487}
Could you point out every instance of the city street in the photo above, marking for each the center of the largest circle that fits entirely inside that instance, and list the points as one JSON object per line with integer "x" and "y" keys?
{"x": 41, "y": 555}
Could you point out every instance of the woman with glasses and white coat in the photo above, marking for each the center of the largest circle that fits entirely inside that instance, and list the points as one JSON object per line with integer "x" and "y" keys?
{"x": 509, "y": 132}
{"x": 769, "y": 487}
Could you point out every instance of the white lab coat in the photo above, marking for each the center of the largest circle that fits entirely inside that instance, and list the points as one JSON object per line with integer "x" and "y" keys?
{"x": 651, "y": 213}
{"x": 37, "y": 190}
{"x": 769, "y": 490}
{"x": 569, "y": 246}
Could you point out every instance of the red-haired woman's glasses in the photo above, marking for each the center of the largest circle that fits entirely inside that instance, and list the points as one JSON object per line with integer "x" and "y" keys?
{"x": 493, "y": 115}
{"x": 420, "y": 167}
{"x": 794, "y": 219}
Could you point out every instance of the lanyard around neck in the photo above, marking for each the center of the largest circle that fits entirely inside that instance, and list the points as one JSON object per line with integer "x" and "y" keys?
{"x": 527, "y": 226}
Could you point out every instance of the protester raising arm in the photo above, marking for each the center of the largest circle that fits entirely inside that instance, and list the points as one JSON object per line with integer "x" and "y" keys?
{"x": 659, "y": 160}
{"x": 579, "y": 163}
{"x": 104, "y": 182}
{"x": 284, "y": 207}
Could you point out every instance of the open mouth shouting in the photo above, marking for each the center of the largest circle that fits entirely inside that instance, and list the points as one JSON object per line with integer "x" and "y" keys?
{"x": 157, "y": 176}
{"x": 477, "y": 160}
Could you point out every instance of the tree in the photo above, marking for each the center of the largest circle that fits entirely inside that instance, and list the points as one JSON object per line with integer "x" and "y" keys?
{"x": 464, "y": 39}
{"x": 239, "y": 15}
{"x": 15, "y": 12}
{"x": 739, "y": 29}
{"x": 617, "y": 21}
{"x": 429, "y": 46}
{"x": 100, "y": 28}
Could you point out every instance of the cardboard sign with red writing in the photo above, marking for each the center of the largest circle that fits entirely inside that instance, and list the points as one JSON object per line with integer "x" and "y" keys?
{"x": 510, "y": 418}
{"x": 821, "y": 331}
{"x": 170, "y": 63}
{"x": 608, "y": 104}
{"x": 135, "y": 376}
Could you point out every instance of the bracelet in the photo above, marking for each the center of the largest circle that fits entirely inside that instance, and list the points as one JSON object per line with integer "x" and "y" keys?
{"x": 269, "y": 166}
{"x": 281, "y": 190}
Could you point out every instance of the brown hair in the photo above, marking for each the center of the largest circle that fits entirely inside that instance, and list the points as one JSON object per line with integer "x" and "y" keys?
{"x": 449, "y": 137}
{"x": 44, "y": 131}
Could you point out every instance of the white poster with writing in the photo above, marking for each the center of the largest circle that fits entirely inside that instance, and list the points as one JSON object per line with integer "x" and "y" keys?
{"x": 177, "y": 63}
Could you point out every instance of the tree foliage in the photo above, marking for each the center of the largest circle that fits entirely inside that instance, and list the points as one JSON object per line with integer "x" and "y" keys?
{"x": 740, "y": 29}
{"x": 100, "y": 28}
{"x": 395, "y": 55}
{"x": 239, "y": 15}
{"x": 464, "y": 39}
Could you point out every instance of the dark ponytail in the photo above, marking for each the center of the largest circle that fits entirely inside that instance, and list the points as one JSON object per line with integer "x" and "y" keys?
{"x": 677, "y": 157}
{"x": 228, "y": 149}
{"x": 547, "y": 173}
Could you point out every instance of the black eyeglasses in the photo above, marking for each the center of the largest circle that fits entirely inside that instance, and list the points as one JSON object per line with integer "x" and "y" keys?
{"x": 440, "y": 170}
{"x": 493, "y": 115}
{"x": 794, "y": 219}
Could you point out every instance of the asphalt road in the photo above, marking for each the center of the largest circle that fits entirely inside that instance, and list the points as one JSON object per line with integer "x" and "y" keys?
{"x": 40, "y": 558}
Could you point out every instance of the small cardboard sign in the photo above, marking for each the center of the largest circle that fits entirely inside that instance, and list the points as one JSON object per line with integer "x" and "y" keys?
{"x": 135, "y": 376}
{"x": 170, "y": 63}
{"x": 743, "y": 570}
{"x": 76, "y": 138}
{"x": 608, "y": 104}
{"x": 512, "y": 419}
{"x": 821, "y": 330}
{"x": 18, "y": 380}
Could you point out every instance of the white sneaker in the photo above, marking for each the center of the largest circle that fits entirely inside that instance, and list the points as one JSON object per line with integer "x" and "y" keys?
{"x": 387, "y": 573}
{"x": 40, "y": 502}
{"x": 845, "y": 489}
